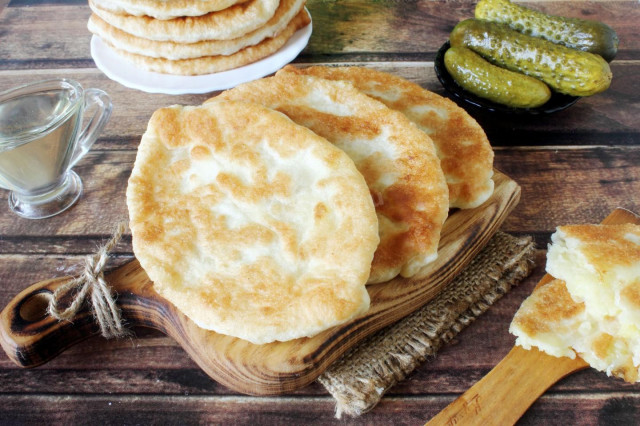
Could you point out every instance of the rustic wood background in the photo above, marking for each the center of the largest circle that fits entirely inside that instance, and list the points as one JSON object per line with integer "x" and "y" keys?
{"x": 574, "y": 167}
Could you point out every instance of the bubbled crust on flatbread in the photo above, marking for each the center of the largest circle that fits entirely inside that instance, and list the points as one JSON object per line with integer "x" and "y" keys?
{"x": 397, "y": 160}
{"x": 286, "y": 11}
{"x": 213, "y": 64}
{"x": 165, "y": 9}
{"x": 465, "y": 154}
{"x": 251, "y": 225}
{"x": 227, "y": 24}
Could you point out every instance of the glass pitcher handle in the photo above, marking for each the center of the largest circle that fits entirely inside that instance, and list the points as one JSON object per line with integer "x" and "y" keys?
{"x": 103, "y": 107}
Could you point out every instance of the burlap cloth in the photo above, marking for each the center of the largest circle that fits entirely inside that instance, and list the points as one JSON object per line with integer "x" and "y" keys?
{"x": 360, "y": 378}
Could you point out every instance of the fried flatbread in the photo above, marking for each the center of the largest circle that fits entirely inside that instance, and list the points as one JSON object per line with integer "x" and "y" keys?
{"x": 465, "y": 154}
{"x": 601, "y": 266}
{"x": 251, "y": 225}
{"x": 286, "y": 11}
{"x": 397, "y": 160}
{"x": 165, "y": 9}
{"x": 551, "y": 320}
{"x": 213, "y": 64}
{"x": 227, "y": 24}
{"x": 593, "y": 309}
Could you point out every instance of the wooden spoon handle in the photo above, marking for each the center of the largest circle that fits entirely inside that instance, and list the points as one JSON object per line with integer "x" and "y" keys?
{"x": 31, "y": 337}
{"x": 506, "y": 392}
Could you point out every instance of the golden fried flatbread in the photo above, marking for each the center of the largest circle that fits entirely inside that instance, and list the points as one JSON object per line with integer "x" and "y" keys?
{"x": 462, "y": 146}
{"x": 249, "y": 224}
{"x": 594, "y": 309}
{"x": 551, "y": 320}
{"x": 165, "y": 9}
{"x": 397, "y": 160}
{"x": 286, "y": 11}
{"x": 227, "y": 24}
{"x": 213, "y": 64}
{"x": 547, "y": 318}
{"x": 601, "y": 266}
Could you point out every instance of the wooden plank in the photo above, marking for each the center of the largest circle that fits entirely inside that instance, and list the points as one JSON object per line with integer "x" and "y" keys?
{"x": 169, "y": 387}
{"x": 152, "y": 360}
{"x": 559, "y": 186}
{"x": 617, "y": 408}
{"x": 48, "y": 37}
{"x": 405, "y": 30}
{"x": 592, "y": 409}
{"x": 422, "y": 27}
{"x": 68, "y": 245}
{"x": 608, "y": 118}
{"x": 188, "y": 410}
{"x": 100, "y": 207}
{"x": 131, "y": 109}
{"x": 36, "y": 3}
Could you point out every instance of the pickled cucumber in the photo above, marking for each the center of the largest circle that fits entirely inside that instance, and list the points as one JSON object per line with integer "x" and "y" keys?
{"x": 488, "y": 81}
{"x": 590, "y": 36}
{"x": 565, "y": 70}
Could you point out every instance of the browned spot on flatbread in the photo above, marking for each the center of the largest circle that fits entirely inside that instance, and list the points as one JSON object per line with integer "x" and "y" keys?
{"x": 631, "y": 294}
{"x": 329, "y": 125}
{"x": 551, "y": 304}
{"x": 171, "y": 132}
{"x": 320, "y": 211}
{"x": 603, "y": 345}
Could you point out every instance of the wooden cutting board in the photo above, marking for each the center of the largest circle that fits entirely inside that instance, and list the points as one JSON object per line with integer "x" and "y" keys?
{"x": 508, "y": 390}
{"x": 30, "y": 337}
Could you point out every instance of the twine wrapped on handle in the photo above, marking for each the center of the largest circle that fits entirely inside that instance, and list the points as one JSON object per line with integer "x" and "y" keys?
{"x": 91, "y": 282}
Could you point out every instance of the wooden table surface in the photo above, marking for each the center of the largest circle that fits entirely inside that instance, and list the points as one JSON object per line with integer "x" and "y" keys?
{"x": 574, "y": 167}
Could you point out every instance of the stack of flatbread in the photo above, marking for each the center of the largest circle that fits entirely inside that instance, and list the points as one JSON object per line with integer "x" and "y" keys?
{"x": 263, "y": 213}
{"x": 194, "y": 37}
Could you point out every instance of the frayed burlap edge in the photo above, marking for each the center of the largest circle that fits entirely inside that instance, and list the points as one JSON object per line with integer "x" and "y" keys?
{"x": 360, "y": 378}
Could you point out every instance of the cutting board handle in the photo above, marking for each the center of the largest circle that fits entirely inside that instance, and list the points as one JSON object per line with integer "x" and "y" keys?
{"x": 31, "y": 337}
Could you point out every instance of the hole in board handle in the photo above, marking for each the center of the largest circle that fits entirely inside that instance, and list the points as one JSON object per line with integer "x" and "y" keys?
{"x": 35, "y": 307}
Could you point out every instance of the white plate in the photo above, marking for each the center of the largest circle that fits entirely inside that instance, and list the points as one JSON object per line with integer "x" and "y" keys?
{"x": 127, "y": 74}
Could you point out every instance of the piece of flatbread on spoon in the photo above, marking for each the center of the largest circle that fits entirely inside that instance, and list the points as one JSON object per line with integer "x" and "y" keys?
{"x": 397, "y": 160}
{"x": 592, "y": 308}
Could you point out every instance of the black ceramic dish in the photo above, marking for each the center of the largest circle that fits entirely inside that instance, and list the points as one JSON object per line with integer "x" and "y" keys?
{"x": 558, "y": 101}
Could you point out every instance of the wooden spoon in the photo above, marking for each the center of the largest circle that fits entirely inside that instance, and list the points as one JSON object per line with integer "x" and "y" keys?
{"x": 506, "y": 392}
